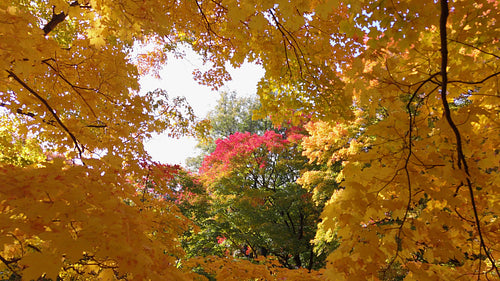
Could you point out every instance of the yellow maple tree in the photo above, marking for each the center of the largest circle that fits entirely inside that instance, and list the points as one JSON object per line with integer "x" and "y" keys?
{"x": 404, "y": 93}
{"x": 421, "y": 175}
{"x": 66, "y": 79}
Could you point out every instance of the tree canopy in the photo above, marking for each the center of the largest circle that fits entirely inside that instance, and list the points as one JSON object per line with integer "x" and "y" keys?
{"x": 251, "y": 180}
{"x": 231, "y": 114}
{"x": 403, "y": 94}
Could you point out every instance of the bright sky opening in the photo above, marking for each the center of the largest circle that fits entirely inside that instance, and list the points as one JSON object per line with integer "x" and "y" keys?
{"x": 177, "y": 79}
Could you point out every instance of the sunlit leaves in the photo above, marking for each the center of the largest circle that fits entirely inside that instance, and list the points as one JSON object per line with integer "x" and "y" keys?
{"x": 419, "y": 177}
{"x": 401, "y": 177}
{"x": 53, "y": 218}
{"x": 74, "y": 91}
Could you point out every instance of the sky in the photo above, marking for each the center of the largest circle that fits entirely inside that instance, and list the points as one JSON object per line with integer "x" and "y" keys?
{"x": 177, "y": 79}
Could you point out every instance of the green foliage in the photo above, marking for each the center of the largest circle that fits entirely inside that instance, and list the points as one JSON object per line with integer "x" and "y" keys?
{"x": 256, "y": 202}
{"x": 231, "y": 114}
{"x": 193, "y": 202}
{"x": 235, "y": 114}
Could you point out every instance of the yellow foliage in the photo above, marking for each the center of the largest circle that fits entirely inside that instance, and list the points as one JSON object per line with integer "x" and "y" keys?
{"x": 418, "y": 181}
{"x": 404, "y": 93}
{"x": 229, "y": 268}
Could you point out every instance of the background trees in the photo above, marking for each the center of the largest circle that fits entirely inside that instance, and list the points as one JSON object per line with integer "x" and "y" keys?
{"x": 255, "y": 199}
{"x": 231, "y": 114}
{"x": 251, "y": 204}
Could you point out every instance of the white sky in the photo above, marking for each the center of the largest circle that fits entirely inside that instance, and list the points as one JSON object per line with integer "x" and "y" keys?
{"x": 177, "y": 80}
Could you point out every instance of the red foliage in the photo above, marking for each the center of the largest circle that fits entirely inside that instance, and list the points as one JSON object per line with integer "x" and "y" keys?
{"x": 295, "y": 134}
{"x": 160, "y": 171}
{"x": 157, "y": 178}
{"x": 238, "y": 147}
{"x": 220, "y": 239}
{"x": 185, "y": 196}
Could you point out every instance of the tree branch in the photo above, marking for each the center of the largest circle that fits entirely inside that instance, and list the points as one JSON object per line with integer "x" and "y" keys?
{"x": 461, "y": 157}
{"x": 8, "y": 262}
{"x": 51, "y": 122}
{"x": 207, "y": 22}
{"x": 290, "y": 39}
{"x": 58, "y": 18}
{"x": 475, "y": 82}
{"x": 75, "y": 88}
{"x": 50, "y": 109}
{"x": 54, "y": 21}
{"x": 474, "y": 47}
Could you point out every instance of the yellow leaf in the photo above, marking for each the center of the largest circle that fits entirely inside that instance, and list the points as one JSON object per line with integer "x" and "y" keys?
{"x": 38, "y": 264}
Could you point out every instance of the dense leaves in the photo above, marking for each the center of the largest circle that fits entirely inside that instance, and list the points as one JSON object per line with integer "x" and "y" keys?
{"x": 67, "y": 90}
{"x": 231, "y": 114}
{"x": 402, "y": 94}
{"x": 419, "y": 182}
{"x": 255, "y": 200}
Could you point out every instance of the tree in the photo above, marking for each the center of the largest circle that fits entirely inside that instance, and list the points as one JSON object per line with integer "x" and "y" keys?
{"x": 418, "y": 79}
{"x": 419, "y": 186}
{"x": 255, "y": 200}
{"x": 67, "y": 83}
{"x": 232, "y": 114}
{"x": 203, "y": 237}
{"x": 220, "y": 232}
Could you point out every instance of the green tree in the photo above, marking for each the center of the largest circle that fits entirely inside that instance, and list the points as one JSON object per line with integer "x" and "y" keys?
{"x": 255, "y": 200}
{"x": 231, "y": 114}
{"x": 190, "y": 196}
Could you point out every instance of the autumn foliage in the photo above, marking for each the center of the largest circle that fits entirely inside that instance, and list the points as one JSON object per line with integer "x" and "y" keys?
{"x": 402, "y": 102}
{"x": 255, "y": 200}
{"x": 239, "y": 147}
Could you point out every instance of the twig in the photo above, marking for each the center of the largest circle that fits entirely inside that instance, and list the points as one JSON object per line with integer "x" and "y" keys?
{"x": 475, "y": 82}
{"x": 474, "y": 47}
{"x": 8, "y": 262}
{"x": 50, "y": 109}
